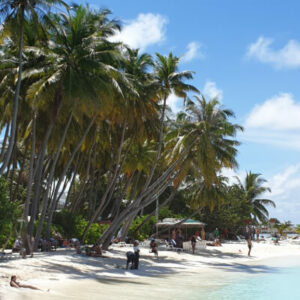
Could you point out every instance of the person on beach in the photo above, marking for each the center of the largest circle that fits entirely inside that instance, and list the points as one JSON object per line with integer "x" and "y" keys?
{"x": 249, "y": 245}
{"x": 153, "y": 247}
{"x": 130, "y": 259}
{"x": 15, "y": 284}
{"x": 193, "y": 242}
{"x": 136, "y": 255}
{"x": 257, "y": 234}
{"x": 217, "y": 233}
{"x": 202, "y": 234}
{"x": 253, "y": 234}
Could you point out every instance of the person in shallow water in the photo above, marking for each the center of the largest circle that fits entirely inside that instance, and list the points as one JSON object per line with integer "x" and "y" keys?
{"x": 15, "y": 284}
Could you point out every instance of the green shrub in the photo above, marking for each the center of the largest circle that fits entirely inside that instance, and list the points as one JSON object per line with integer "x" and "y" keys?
{"x": 9, "y": 213}
{"x": 70, "y": 226}
{"x": 145, "y": 231}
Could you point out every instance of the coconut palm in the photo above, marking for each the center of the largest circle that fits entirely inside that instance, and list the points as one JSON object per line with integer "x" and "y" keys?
{"x": 251, "y": 190}
{"x": 15, "y": 12}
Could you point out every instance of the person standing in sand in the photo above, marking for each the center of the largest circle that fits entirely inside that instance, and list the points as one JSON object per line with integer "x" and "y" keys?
{"x": 193, "y": 241}
{"x": 249, "y": 245}
{"x": 202, "y": 234}
{"x": 136, "y": 255}
{"x": 217, "y": 233}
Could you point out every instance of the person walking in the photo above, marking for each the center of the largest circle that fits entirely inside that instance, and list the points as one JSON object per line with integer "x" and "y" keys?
{"x": 249, "y": 245}
{"x": 193, "y": 242}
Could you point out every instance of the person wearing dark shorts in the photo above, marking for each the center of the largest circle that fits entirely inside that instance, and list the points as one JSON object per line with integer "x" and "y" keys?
{"x": 249, "y": 245}
{"x": 193, "y": 242}
{"x": 136, "y": 255}
{"x": 130, "y": 259}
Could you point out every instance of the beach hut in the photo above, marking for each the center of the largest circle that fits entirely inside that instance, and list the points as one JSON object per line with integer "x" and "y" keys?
{"x": 170, "y": 223}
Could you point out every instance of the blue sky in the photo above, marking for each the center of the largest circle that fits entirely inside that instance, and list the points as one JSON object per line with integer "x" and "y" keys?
{"x": 247, "y": 53}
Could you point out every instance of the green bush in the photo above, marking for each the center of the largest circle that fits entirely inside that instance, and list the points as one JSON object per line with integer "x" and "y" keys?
{"x": 9, "y": 213}
{"x": 70, "y": 226}
{"x": 145, "y": 231}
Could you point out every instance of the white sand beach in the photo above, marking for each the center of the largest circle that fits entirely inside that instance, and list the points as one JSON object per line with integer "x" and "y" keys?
{"x": 171, "y": 276}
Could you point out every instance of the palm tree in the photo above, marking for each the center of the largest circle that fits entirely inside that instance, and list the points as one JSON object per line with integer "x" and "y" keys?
{"x": 251, "y": 191}
{"x": 204, "y": 125}
{"x": 169, "y": 80}
{"x": 281, "y": 227}
{"x": 15, "y": 12}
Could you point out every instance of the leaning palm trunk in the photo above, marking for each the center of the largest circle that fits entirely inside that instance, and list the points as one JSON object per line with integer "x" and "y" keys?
{"x": 168, "y": 200}
{"x": 153, "y": 168}
{"x": 16, "y": 190}
{"x": 108, "y": 188}
{"x": 87, "y": 176}
{"x": 30, "y": 170}
{"x": 160, "y": 143}
{"x": 78, "y": 163}
{"x": 146, "y": 197}
{"x": 63, "y": 174}
{"x": 16, "y": 98}
{"x": 39, "y": 173}
{"x": 131, "y": 210}
{"x": 49, "y": 183}
{"x": 4, "y": 141}
{"x": 29, "y": 186}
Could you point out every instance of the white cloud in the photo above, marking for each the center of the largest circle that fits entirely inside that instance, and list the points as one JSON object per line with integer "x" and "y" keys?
{"x": 175, "y": 103}
{"x": 286, "y": 57}
{"x": 193, "y": 52}
{"x": 285, "y": 187}
{"x": 211, "y": 91}
{"x": 281, "y": 112}
{"x": 275, "y": 122}
{"x": 232, "y": 175}
{"x": 145, "y": 30}
{"x": 285, "y": 191}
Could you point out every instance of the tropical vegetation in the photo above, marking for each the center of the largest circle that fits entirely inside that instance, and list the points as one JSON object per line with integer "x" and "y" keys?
{"x": 88, "y": 135}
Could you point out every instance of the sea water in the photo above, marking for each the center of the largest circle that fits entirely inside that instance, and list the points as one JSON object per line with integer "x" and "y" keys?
{"x": 276, "y": 282}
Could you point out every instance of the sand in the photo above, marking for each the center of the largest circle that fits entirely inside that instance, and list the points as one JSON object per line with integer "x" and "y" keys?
{"x": 171, "y": 276}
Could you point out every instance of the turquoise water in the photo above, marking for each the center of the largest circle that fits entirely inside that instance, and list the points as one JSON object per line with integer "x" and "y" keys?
{"x": 275, "y": 283}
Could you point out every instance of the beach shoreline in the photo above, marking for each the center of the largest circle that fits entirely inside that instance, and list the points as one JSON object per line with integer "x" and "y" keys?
{"x": 73, "y": 276}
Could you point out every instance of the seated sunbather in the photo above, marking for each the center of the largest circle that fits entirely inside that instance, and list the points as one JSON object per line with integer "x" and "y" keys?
{"x": 94, "y": 251}
{"x": 215, "y": 243}
{"x": 15, "y": 284}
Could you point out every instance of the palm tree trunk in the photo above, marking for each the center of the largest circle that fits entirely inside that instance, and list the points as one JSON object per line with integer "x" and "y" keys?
{"x": 108, "y": 188}
{"x": 16, "y": 190}
{"x": 149, "y": 195}
{"x": 4, "y": 141}
{"x": 87, "y": 176}
{"x": 169, "y": 199}
{"x": 50, "y": 180}
{"x": 160, "y": 143}
{"x": 38, "y": 177}
{"x": 16, "y": 98}
{"x": 30, "y": 170}
{"x": 63, "y": 174}
{"x": 78, "y": 163}
{"x": 92, "y": 196}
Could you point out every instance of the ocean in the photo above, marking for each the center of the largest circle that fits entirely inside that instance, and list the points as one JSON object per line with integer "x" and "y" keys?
{"x": 280, "y": 279}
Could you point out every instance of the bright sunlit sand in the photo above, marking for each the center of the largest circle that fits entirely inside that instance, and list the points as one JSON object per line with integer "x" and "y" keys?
{"x": 171, "y": 276}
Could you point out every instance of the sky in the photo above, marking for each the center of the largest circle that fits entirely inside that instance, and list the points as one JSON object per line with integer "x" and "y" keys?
{"x": 247, "y": 53}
